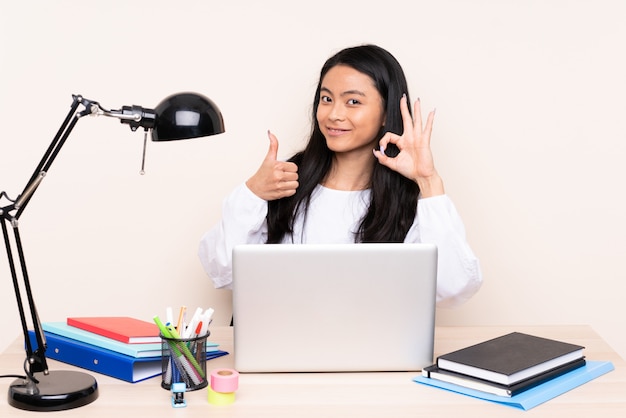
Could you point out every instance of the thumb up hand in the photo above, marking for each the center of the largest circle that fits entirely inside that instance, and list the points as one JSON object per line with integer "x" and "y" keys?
{"x": 274, "y": 179}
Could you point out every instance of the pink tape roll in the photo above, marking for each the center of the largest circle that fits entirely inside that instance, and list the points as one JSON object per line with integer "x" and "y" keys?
{"x": 224, "y": 380}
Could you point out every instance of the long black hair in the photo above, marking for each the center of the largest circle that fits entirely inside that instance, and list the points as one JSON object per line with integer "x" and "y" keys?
{"x": 393, "y": 197}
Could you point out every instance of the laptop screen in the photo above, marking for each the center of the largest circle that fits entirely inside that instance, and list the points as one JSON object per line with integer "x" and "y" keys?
{"x": 338, "y": 307}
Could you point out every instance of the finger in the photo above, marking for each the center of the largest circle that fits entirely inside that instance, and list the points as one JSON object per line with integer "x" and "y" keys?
{"x": 289, "y": 186}
{"x": 417, "y": 115}
{"x": 289, "y": 167}
{"x": 379, "y": 154}
{"x": 382, "y": 143}
{"x": 383, "y": 159}
{"x": 288, "y": 175}
{"x": 388, "y": 137}
{"x": 286, "y": 187}
{"x": 407, "y": 121}
{"x": 287, "y": 193}
{"x": 272, "y": 153}
{"x": 429, "y": 127}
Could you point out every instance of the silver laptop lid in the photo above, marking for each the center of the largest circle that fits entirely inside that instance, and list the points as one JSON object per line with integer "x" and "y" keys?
{"x": 339, "y": 307}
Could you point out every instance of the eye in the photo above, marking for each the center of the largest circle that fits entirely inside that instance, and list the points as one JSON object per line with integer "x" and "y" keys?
{"x": 325, "y": 99}
{"x": 353, "y": 102}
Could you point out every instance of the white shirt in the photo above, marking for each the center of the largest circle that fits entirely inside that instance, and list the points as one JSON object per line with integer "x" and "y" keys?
{"x": 333, "y": 217}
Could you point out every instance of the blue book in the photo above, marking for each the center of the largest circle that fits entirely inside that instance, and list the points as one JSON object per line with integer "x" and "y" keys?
{"x": 534, "y": 396}
{"x": 133, "y": 350}
{"x": 100, "y": 360}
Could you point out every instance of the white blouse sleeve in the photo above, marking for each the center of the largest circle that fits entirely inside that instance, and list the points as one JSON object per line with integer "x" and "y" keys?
{"x": 243, "y": 222}
{"x": 458, "y": 270}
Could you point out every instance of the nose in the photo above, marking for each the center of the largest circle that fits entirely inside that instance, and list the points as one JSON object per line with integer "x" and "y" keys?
{"x": 337, "y": 112}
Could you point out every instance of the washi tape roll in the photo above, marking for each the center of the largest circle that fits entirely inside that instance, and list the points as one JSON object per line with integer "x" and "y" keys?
{"x": 217, "y": 398}
{"x": 224, "y": 380}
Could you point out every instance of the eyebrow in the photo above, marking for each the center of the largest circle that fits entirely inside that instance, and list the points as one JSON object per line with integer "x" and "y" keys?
{"x": 345, "y": 93}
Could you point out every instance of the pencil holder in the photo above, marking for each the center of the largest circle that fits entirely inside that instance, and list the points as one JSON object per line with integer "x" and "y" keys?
{"x": 183, "y": 360}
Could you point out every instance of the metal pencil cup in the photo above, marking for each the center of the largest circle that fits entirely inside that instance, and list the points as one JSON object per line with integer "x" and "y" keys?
{"x": 184, "y": 360}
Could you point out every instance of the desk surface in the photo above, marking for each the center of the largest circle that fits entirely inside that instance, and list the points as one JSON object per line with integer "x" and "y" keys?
{"x": 345, "y": 394}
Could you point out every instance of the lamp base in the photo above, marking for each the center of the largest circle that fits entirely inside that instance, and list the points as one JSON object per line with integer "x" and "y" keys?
{"x": 56, "y": 391}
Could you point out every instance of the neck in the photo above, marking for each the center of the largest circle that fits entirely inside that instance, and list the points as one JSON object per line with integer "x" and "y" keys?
{"x": 349, "y": 173}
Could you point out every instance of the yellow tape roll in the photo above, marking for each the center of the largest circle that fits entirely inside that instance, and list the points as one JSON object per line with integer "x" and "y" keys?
{"x": 217, "y": 398}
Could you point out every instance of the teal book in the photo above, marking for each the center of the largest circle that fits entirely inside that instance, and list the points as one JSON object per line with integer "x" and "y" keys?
{"x": 536, "y": 395}
{"x": 134, "y": 350}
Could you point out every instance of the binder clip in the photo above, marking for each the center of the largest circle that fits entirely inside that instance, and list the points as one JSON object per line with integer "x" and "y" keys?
{"x": 178, "y": 395}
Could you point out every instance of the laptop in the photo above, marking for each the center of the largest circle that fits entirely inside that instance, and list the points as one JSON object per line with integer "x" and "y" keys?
{"x": 334, "y": 308}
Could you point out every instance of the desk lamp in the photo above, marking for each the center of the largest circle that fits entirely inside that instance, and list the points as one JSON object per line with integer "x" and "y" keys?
{"x": 179, "y": 116}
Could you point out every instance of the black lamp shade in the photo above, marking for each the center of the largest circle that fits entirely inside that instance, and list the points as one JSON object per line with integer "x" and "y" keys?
{"x": 186, "y": 115}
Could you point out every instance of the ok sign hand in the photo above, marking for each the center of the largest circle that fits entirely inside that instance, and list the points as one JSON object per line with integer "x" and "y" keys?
{"x": 415, "y": 160}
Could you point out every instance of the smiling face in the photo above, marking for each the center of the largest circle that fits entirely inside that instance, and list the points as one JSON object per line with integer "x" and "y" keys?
{"x": 350, "y": 112}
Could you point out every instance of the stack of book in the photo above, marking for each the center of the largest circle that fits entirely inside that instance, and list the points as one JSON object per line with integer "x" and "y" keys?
{"x": 507, "y": 365}
{"x": 513, "y": 369}
{"x": 125, "y": 348}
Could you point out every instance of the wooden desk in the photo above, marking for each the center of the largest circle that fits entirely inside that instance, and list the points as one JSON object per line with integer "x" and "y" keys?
{"x": 345, "y": 394}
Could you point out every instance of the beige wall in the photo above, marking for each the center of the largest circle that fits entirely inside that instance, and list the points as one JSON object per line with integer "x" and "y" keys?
{"x": 529, "y": 137}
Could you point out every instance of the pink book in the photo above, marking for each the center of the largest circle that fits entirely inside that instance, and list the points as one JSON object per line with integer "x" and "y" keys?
{"x": 121, "y": 328}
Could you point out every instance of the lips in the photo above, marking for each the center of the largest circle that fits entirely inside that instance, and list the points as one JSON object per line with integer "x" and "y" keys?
{"x": 336, "y": 131}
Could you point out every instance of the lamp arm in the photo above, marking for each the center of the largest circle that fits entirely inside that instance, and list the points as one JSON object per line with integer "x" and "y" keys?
{"x": 16, "y": 287}
{"x": 48, "y": 158}
{"x": 35, "y": 359}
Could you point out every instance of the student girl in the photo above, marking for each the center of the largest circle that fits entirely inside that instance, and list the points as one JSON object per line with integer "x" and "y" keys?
{"x": 366, "y": 175}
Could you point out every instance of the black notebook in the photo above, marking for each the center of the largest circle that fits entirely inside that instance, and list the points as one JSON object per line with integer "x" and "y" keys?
{"x": 435, "y": 372}
{"x": 510, "y": 358}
